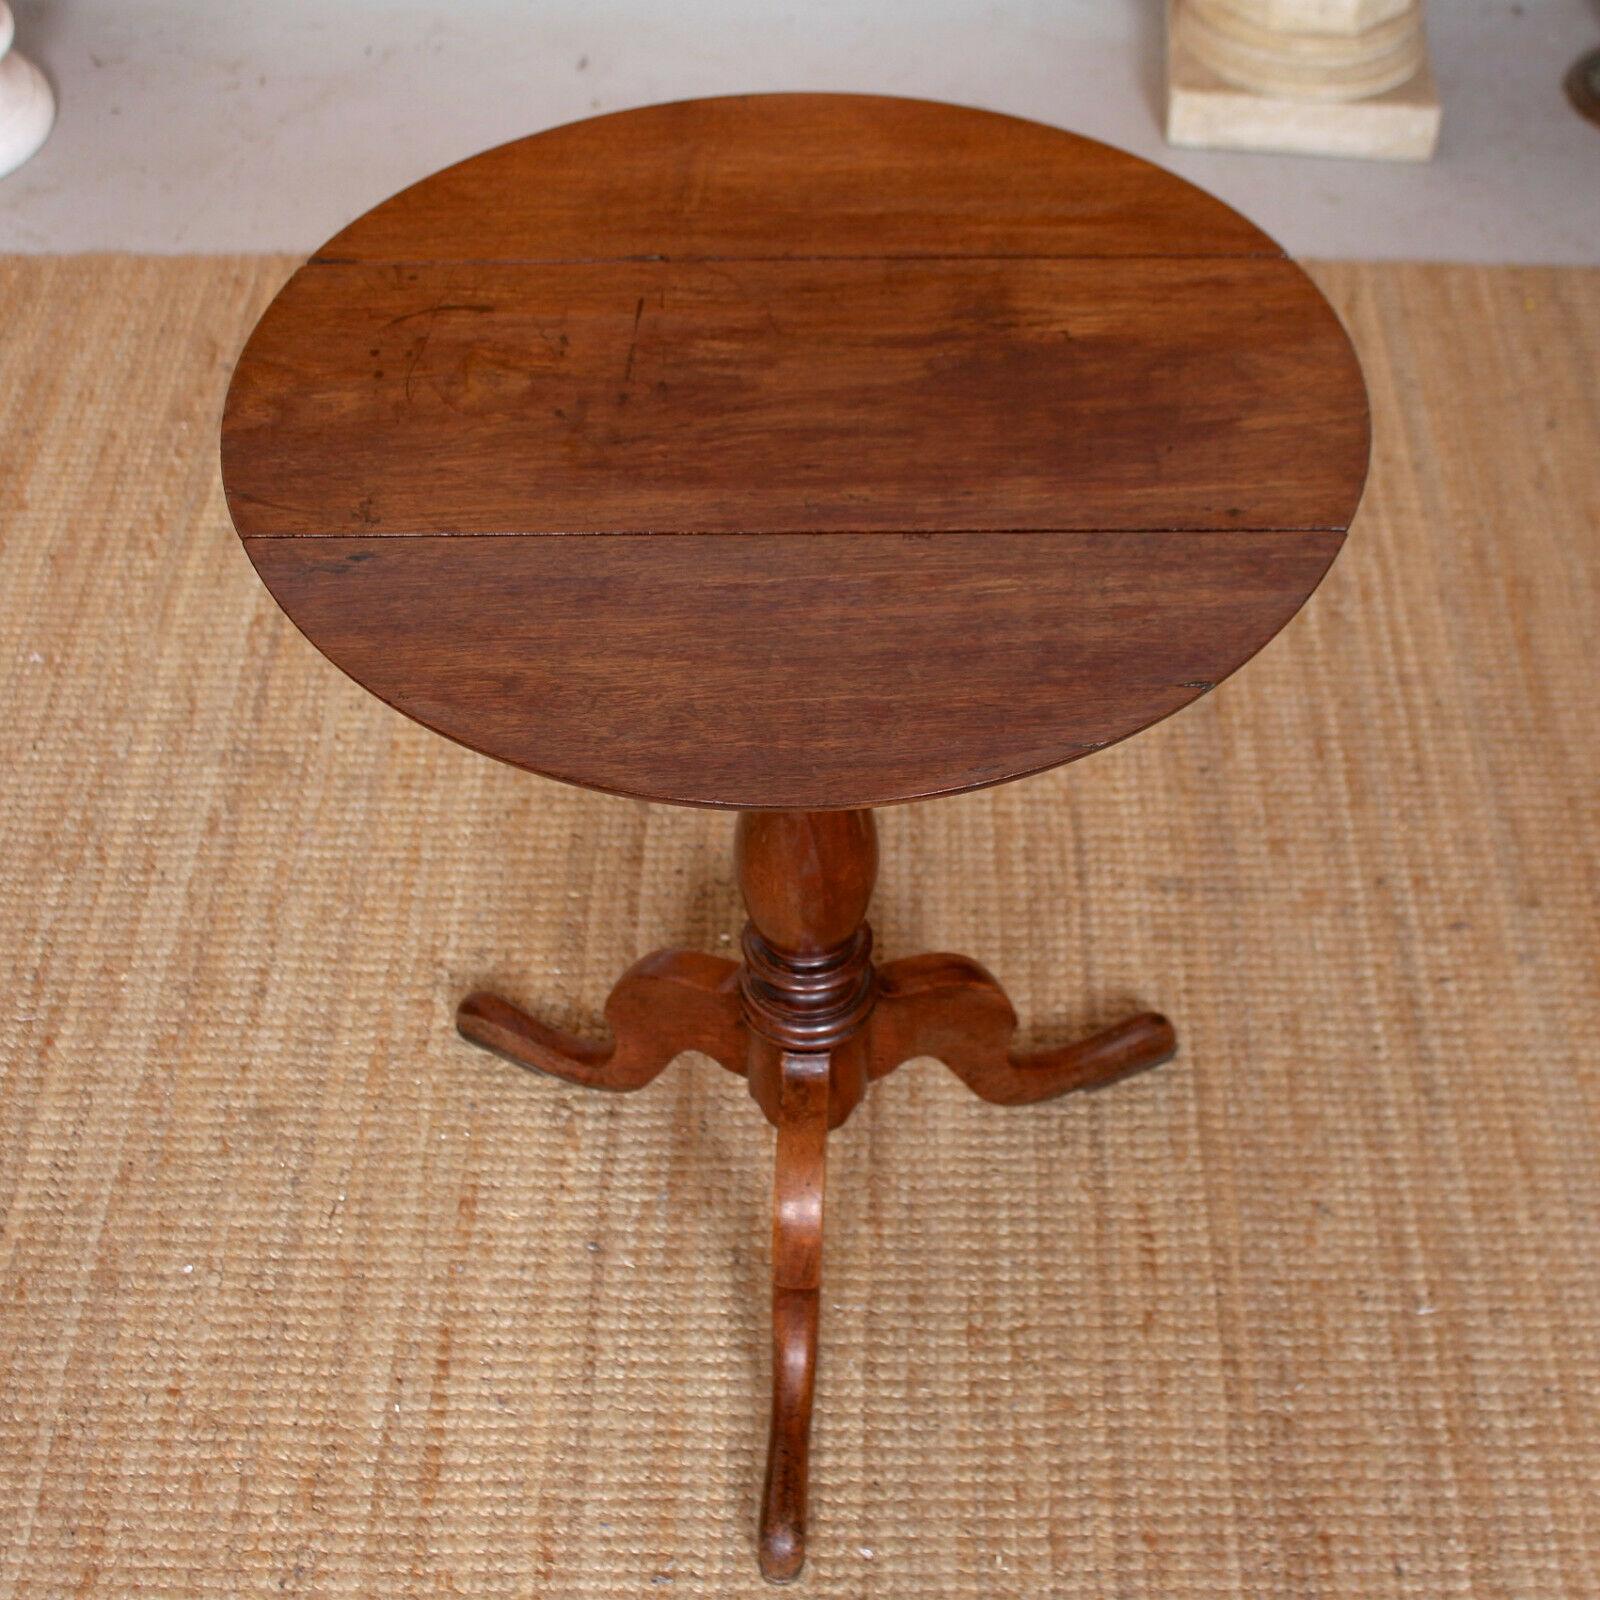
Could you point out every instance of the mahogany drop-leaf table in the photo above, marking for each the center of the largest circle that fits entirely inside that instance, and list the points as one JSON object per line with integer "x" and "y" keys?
{"x": 797, "y": 454}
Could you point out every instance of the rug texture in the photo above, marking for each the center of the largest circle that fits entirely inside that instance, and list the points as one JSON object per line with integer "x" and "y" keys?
{"x": 299, "y": 1295}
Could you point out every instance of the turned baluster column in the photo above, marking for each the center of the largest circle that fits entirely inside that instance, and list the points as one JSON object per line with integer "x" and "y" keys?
{"x": 808, "y": 987}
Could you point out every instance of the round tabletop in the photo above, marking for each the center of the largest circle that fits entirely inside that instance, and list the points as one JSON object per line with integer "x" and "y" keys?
{"x": 795, "y": 451}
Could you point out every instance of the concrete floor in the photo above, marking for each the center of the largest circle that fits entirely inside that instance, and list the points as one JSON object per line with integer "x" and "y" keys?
{"x": 198, "y": 125}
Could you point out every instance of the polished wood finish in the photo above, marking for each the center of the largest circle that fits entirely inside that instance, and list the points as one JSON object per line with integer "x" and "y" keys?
{"x": 793, "y": 176}
{"x": 808, "y": 986}
{"x": 678, "y": 452}
{"x": 811, "y": 1021}
{"x": 797, "y": 1196}
{"x": 811, "y": 671}
{"x": 672, "y": 1001}
{"x": 797, "y": 454}
{"x": 795, "y": 397}
{"x": 951, "y": 1008}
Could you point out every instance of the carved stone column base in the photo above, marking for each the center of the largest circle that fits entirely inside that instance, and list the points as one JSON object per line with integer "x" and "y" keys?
{"x": 1206, "y": 109}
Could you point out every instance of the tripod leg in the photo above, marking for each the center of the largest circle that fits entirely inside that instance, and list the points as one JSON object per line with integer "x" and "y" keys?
{"x": 796, "y": 1292}
{"x": 672, "y": 1001}
{"x": 949, "y": 1007}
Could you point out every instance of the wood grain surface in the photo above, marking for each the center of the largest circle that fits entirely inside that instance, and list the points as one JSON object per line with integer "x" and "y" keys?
{"x": 782, "y": 397}
{"x": 897, "y": 449}
{"x": 802, "y": 672}
{"x": 794, "y": 175}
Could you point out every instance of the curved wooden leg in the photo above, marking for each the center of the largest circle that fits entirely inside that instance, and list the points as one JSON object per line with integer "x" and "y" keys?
{"x": 797, "y": 1194}
{"x": 950, "y": 1007}
{"x": 808, "y": 989}
{"x": 672, "y": 1001}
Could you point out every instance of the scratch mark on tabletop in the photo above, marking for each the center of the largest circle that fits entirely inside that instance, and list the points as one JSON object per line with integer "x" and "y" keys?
{"x": 432, "y": 314}
{"x": 633, "y": 342}
{"x": 434, "y": 311}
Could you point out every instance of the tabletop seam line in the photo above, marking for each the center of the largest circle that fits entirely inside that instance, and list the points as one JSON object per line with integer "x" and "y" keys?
{"x": 699, "y": 260}
{"x": 791, "y": 533}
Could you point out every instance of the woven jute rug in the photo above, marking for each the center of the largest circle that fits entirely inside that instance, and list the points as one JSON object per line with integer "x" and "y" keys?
{"x": 299, "y": 1295}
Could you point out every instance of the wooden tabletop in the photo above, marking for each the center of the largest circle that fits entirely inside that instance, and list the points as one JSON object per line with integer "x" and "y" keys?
{"x": 798, "y": 451}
